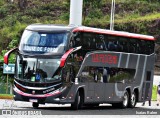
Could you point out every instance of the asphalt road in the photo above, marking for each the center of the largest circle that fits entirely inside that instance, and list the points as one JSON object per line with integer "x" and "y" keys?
{"x": 25, "y": 108}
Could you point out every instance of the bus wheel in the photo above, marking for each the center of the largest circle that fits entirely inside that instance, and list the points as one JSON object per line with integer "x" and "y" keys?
{"x": 125, "y": 101}
{"x": 78, "y": 103}
{"x": 132, "y": 101}
{"x": 35, "y": 105}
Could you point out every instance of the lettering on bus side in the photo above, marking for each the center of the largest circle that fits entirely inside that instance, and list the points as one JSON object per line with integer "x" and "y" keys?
{"x": 105, "y": 58}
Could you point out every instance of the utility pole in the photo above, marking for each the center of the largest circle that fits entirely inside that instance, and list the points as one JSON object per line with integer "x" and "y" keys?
{"x": 112, "y": 15}
{"x": 76, "y": 12}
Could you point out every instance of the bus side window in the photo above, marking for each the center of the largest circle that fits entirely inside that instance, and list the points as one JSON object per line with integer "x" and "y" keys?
{"x": 125, "y": 46}
{"x": 111, "y": 43}
{"x": 100, "y": 44}
{"x": 111, "y": 46}
{"x": 132, "y": 48}
{"x": 93, "y": 43}
{"x": 75, "y": 40}
{"x": 142, "y": 47}
{"x": 86, "y": 41}
{"x": 150, "y": 47}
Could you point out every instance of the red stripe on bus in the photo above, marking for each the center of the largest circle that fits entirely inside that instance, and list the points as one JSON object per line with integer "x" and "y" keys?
{"x": 115, "y": 33}
{"x": 64, "y": 57}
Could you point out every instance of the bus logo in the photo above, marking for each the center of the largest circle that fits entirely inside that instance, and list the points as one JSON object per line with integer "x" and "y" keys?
{"x": 104, "y": 58}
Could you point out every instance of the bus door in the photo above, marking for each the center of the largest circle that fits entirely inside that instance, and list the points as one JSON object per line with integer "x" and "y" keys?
{"x": 147, "y": 88}
{"x": 95, "y": 87}
{"x": 114, "y": 85}
{"x": 99, "y": 85}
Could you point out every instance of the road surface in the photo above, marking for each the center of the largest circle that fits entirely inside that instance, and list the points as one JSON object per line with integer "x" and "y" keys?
{"x": 25, "y": 108}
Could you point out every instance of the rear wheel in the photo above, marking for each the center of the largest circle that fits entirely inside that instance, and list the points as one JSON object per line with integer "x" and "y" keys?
{"x": 79, "y": 100}
{"x": 132, "y": 101}
{"x": 35, "y": 105}
{"x": 125, "y": 101}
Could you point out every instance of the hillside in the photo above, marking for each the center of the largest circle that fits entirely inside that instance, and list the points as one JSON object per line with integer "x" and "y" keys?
{"x": 137, "y": 16}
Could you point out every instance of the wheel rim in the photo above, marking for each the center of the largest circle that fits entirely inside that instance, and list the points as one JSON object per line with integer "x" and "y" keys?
{"x": 133, "y": 99}
{"x": 125, "y": 100}
{"x": 79, "y": 100}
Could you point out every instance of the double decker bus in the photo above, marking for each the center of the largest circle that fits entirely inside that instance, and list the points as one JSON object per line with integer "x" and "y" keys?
{"x": 82, "y": 66}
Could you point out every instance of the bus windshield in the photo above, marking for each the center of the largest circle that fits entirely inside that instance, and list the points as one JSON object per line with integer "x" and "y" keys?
{"x": 42, "y": 42}
{"x": 38, "y": 70}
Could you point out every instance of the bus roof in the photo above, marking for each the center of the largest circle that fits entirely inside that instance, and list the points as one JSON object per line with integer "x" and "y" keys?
{"x": 115, "y": 33}
{"x": 48, "y": 27}
{"x": 51, "y": 27}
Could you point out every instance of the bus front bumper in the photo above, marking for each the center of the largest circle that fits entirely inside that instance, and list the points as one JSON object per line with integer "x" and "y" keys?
{"x": 55, "y": 98}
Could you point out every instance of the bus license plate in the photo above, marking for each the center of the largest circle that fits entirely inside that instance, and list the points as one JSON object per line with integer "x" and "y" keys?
{"x": 33, "y": 100}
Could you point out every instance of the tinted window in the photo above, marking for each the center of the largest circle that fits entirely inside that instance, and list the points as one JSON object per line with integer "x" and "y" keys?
{"x": 133, "y": 46}
{"x": 111, "y": 43}
{"x": 107, "y": 75}
{"x": 92, "y": 41}
{"x": 142, "y": 45}
{"x": 123, "y": 43}
{"x": 149, "y": 47}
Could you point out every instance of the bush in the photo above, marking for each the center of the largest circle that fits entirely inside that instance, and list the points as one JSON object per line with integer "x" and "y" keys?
{"x": 154, "y": 93}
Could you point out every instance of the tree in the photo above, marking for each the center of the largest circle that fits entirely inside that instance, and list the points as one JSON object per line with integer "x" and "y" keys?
{"x": 89, "y": 5}
{"x": 22, "y": 4}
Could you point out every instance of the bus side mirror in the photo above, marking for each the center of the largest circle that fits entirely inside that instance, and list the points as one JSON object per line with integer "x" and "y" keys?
{"x": 6, "y": 56}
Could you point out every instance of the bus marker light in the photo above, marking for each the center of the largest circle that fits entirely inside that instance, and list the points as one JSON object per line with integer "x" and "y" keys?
{"x": 33, "y": 92}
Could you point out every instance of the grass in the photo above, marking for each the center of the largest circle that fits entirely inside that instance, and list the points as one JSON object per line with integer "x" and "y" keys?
{"x": 154, "y": 93}
{"x": 6, "y": 96}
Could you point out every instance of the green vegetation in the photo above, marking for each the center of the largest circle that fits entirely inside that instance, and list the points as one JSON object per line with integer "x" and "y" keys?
{"x": 6, "y": 96}
{"x": 135, "y": 16}
{"x": 154, "y": 93}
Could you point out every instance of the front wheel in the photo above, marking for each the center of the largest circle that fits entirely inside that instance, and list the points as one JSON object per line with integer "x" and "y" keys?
{"x": 78, "y": 103}
{"x": 133, "y": 100}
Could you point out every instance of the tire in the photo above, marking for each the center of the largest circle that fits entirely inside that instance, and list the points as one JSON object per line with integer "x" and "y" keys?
{"x": 125, "y": 102}
{"x": 78, "y": 103}
{"x": 35, "y": 105}
{"x": 132, "y": 100}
